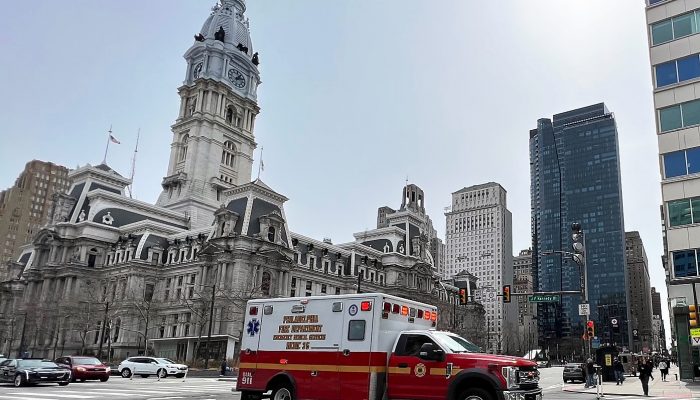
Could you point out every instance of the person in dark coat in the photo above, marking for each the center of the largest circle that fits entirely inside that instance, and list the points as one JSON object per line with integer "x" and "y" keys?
{"x": 619, "y": 369}
{"x": 645, "y": 369}
{"x": 590, "y": 373}
{"x": 224, "y": 367}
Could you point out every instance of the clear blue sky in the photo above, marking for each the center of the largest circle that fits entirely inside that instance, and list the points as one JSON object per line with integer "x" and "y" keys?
{"x": 356, "y": 96}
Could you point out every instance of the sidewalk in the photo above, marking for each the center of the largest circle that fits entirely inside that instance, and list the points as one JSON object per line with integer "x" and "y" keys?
{"x": 672, "y": 389}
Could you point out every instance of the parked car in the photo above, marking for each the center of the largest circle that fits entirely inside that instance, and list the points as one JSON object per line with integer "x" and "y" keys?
{"x": 84, "y": 368}
{"x": 147, "y": 366}
{"x": 22, "y": 372}
{"x": 574, "y": 372}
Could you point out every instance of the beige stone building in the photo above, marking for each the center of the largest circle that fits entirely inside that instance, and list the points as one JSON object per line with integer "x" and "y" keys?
{"x": 25, "y": 206}
{"x": 113, "y": 276}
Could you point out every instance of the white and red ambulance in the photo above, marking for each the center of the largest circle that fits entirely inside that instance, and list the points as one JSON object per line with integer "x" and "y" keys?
{"x": 369, "y": 346}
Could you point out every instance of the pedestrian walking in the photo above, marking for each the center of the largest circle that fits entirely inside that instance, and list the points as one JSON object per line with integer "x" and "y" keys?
{"x": 663, "y": 368}
{"x": 590, "y": 373}
{"x": 645, "y": 369}
{"x": 619, "y": 371}
{"x": 224, "y": 367}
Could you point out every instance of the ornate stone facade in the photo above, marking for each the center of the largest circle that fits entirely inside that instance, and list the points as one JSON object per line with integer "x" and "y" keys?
{"x": 114, "y": 276}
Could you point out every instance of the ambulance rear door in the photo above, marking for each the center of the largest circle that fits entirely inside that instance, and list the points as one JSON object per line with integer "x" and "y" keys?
{"x": 355, "y": 360}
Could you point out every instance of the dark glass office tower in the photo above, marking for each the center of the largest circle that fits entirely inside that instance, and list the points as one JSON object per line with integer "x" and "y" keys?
{"x": 575, "y": 177}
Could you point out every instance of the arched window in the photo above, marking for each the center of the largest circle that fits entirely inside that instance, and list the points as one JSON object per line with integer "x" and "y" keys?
{"x": 230, "y": 112}
{"x": 183, "y": 150}
{"x": 265, "y": 285}
{"x": 227, "y": 154}
{"x": 271, "y": 234}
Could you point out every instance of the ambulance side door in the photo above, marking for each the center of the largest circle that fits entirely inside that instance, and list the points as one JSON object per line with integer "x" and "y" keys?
{"x": 354, "y": 364}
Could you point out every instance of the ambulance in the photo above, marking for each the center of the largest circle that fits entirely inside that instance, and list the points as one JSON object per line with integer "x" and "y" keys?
{"x": 368, "y": 346}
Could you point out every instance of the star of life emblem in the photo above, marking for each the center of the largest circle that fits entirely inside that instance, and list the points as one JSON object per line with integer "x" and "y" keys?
{"x": 253, "y": 327}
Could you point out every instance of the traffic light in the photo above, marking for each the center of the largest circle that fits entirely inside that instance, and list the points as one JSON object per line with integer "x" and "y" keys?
{"x": 590, "y": 329}
{"x": 506, "y": 293}
{"x": 462, "y": 296}
{"x": 578, "y": 244}
{"x": 692, "y": 316}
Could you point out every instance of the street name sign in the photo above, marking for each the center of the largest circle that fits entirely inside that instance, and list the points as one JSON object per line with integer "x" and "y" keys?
{"x": 584, "y": 309}
{"x": 543, "y": 298}
{"x": 695, "y": 336}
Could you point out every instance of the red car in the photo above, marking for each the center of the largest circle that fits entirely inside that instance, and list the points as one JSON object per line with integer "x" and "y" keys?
{"x": 85, "y": 368}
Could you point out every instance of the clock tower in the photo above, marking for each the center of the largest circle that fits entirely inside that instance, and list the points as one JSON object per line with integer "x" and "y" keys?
{"x": 213, "y": 141}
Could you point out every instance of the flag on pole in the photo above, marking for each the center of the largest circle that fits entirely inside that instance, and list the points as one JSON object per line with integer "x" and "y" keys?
{"x": 113, "y": 139}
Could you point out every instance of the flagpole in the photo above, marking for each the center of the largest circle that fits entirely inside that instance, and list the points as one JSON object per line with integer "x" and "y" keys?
{"x": 261, "y": 162}
{"x": 109, "y": 134}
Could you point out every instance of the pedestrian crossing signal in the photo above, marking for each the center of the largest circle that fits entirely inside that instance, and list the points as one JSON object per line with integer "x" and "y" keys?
{"x": 462, "y": 296}
{"x": 506, "y": 293}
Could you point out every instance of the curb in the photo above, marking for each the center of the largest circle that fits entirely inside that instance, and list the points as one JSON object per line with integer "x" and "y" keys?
{"x": 606, "y": 394}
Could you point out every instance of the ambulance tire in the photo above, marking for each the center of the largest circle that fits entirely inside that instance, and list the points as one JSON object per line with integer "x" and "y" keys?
{"x": 282, "y": 392}
{"x": 475, "y": 394}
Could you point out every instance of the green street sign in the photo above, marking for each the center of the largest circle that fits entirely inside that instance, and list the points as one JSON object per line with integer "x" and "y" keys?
{"x": 543, "y": 298}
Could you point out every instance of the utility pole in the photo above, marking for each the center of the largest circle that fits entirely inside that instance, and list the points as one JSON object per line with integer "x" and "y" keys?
{"x": 104, "y": 326}
{"x": 211, "y": 317}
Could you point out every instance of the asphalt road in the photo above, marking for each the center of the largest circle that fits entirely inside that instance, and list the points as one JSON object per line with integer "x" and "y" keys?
{"x": 125, "y": 389}
{"x": 211, "y": 389}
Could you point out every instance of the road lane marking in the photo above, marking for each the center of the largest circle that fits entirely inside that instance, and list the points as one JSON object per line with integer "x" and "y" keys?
{"x": 71, "y": 396}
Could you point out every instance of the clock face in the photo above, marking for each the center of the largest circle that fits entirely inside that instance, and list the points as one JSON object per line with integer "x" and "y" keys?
{"x": 236, "y": 77}
{"x": 197, "y": 71}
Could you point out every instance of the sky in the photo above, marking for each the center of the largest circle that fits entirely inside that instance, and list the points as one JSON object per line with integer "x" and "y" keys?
{"x": 357, "y": 96}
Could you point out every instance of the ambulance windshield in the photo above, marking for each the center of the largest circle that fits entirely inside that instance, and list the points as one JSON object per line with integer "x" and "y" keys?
{"x": 455, "y": 343}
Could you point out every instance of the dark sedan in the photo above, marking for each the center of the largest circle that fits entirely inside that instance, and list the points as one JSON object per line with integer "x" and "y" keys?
{"x": 22, "y": 372}
{"x": 574, "y": 372}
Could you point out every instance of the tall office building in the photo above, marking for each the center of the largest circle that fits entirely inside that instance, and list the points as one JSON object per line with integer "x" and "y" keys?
{"x": 25, "y": 206}
{"x": 575, "y": 177}
{"x": 657, "y": 323}
{"x": 527, "y": 312}
{"x": 639, "y": 291}
{"x": 479, "y": 240}
{"x": 674, "y": 48}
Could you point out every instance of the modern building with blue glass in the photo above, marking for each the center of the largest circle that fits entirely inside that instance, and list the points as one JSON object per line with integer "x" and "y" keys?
{"x": 575, "y": 177}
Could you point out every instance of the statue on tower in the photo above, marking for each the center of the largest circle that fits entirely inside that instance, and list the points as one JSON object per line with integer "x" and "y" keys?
{"x": 256, "y": 60}
{"x": 220, "y": 34}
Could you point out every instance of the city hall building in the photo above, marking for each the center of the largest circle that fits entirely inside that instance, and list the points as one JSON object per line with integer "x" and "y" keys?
{"x": 110, "y": 275}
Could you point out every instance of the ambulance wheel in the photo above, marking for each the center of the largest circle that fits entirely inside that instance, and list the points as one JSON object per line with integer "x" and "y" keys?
{"x": 475, "y": 394}
{"x": 282, "y": 392}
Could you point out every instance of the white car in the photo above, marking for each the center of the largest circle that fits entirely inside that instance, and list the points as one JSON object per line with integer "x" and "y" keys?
{"x": 146, "y": 366}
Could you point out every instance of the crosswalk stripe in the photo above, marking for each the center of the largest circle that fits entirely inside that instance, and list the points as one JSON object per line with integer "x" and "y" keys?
{"x": 71, "y": 396}
{"x": 22, "y": 398}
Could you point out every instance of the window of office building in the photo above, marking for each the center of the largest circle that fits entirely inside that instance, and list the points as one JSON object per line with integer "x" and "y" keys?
{"x": 683, "y": 162}
{"x": 685, "y": 263}
{"x": 676, "y": 27}
{"x": 675, "y": 71}
{"x": 679, "y": 116}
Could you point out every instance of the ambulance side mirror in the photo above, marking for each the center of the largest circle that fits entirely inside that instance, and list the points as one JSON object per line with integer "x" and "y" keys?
{"x": 428, "y": 351}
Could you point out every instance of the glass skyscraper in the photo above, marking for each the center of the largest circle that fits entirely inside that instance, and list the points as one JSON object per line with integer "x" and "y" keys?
{"x": 575, "y": 177}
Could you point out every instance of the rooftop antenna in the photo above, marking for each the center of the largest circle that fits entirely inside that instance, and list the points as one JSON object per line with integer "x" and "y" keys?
{"x": 133, "y": 166}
